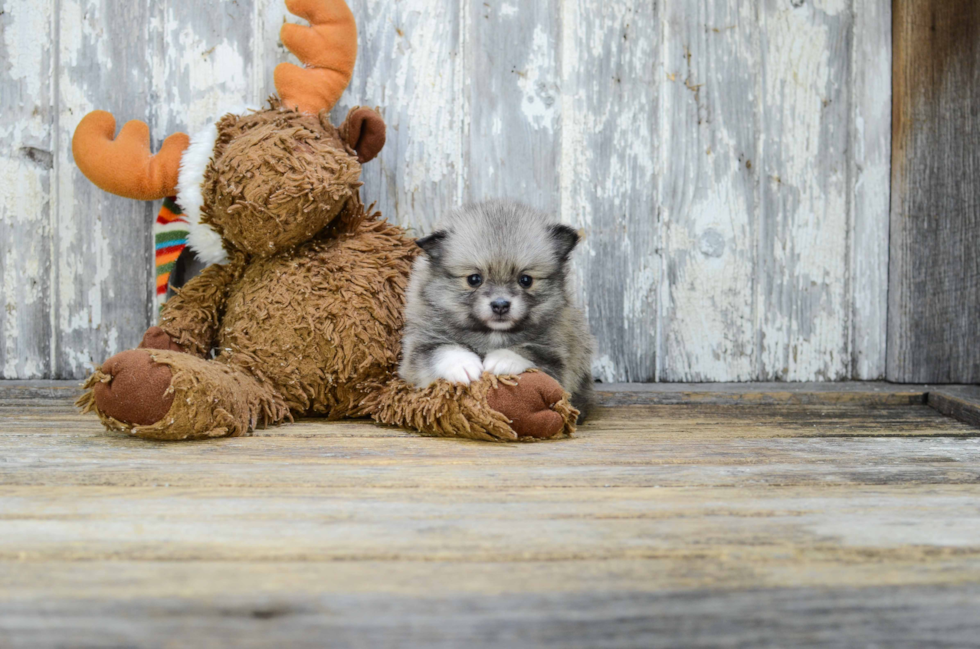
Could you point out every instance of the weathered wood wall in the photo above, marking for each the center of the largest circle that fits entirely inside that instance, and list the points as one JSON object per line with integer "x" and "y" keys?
{"x": 727, "y": 159}
{"x": 934, "y": 300}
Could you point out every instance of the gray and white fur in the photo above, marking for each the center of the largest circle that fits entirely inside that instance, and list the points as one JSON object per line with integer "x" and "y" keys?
{"x": 491, "y": 294}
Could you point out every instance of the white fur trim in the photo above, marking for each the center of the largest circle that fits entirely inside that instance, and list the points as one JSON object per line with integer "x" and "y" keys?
{"x": 204, "y": 241}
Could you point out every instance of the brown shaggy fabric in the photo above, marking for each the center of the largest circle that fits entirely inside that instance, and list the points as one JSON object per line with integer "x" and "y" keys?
{"x": 443, "y": 409}
{"x": 528, "y": 407}
{"x": 203, "y": 398}
{"x": 191, "y": 317}
{"x": 322, "y": 322}
{"x": 277, "y": 179}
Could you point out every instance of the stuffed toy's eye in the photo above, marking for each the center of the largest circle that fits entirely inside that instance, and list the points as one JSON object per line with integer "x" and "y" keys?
{"x": 525, "y": 281}
{"x": 474, "y": 280}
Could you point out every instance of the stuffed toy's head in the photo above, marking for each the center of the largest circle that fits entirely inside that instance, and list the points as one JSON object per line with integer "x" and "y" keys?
{"x": 256, "y": 181}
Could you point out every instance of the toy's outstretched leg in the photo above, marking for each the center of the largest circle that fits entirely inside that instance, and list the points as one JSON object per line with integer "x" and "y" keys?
{"x": 529, "y": 406}
{"x": 159, "y": 394}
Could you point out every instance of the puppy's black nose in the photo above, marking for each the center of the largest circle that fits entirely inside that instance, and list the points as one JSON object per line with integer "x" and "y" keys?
{"x": 500, "y": 306}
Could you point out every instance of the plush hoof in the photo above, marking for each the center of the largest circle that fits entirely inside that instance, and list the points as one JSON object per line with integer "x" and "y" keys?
{"x": 135, "y": 391}
{"x": 528, "y": 405}
{"x": 157, "y": 338}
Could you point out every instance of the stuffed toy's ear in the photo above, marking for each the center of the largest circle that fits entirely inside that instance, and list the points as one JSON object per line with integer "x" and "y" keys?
{"x": 565, "y": 238}
{"x": 432, "y": 244}
{"x": 364, "y": 131}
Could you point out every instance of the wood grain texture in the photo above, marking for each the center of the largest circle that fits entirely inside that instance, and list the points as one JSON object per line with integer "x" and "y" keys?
{"x": 710, "y": 191}
{"x": 505, "y": 526}
{"x": 26, "y": 172}
{"x": 512, "y": 89}
{"x": 410, "y": 66}
{"x": 640, "y": 446}
{"x": 724, "y": 159}
{"x": 699, "y": 525}
{"x": 610, "y": 55}
{"x": 201, "y": 61}
{"x": 802, "y": 264}
{"x": 101, "y": 244}
{"x": 869, "y": 187}
{"x": 775, "y": 191}
{"x": 903, "y": 616}
{"x": 934, "y": 271}
{"x": 961, "y": 402}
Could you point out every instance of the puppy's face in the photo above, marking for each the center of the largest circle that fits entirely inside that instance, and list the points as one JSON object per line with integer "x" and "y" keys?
{"x": 498, "y": 279}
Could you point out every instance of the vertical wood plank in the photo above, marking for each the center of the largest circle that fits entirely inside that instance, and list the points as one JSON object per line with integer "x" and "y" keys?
{"x": 101, "y": 243}
{"x": 934, "y": 266}
{"x": 201, "y": 57}
{"x": 710, "y": 196}
{"x": 26, "y": 160}
{"x": 802, "y": 264}
{"x": 609, "y": 151}
{"x": 514, "y": 101}
{"x": 870, "y": 170}
{"x": 408, "y": 66}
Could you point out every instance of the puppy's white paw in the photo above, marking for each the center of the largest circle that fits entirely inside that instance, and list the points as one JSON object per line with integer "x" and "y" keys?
{"x": 504, "y": 361}
{"x": 457, "y": 365}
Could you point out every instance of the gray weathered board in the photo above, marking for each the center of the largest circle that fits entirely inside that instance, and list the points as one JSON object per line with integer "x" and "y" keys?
{"x": 934, "y": 296}
{"x": 728, "y": 161}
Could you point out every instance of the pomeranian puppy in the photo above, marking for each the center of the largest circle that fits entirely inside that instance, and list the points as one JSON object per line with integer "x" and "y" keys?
{"x": 491, "y": 294}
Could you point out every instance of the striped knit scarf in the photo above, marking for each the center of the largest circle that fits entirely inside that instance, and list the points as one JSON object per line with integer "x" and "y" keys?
{"x": 170, "y": 237}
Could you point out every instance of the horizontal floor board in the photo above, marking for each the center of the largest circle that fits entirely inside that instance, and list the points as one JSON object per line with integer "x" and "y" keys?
{"x": 752, "y": 525}
{"x": 701, "y": 419}
{"x": 184, "y": 610}
{"x": 616, "y": 460}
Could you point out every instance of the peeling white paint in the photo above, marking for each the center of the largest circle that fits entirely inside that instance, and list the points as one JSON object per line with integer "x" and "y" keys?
{"x": 24, "y": 40}
{"x": 652, "y": 167}
{"x": 870, "y": 167}
{"x": 201, "y": 74}
{"x": 22, "y": 199}
{"x": 608, "y": 171}
{"x": 25, "y": 173}
{"x": 411, "y": 76}
{"x": 831, "y": 7}
{"x": 536, "y": 82}
{"x": 805, "y": 337}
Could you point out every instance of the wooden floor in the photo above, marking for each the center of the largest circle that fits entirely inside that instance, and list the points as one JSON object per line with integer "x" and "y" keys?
{"x": 720, "y": 516}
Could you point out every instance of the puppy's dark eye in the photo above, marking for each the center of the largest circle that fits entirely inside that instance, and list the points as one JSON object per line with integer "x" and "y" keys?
{"x": 474, "y": 280}
{"x": 525, "y": 281}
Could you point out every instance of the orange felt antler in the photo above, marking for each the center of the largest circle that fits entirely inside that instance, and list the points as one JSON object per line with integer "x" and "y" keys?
{"x": 328, "y": 47}
{"x": 124, "y": 166}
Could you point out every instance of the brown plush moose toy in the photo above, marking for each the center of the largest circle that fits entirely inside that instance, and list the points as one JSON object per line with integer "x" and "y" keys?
{"x": 300, "y": 313}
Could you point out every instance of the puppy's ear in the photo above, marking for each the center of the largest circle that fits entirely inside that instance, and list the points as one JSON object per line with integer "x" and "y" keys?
{"x": 432, "y": 244}
{"x": 565, "y": 239}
